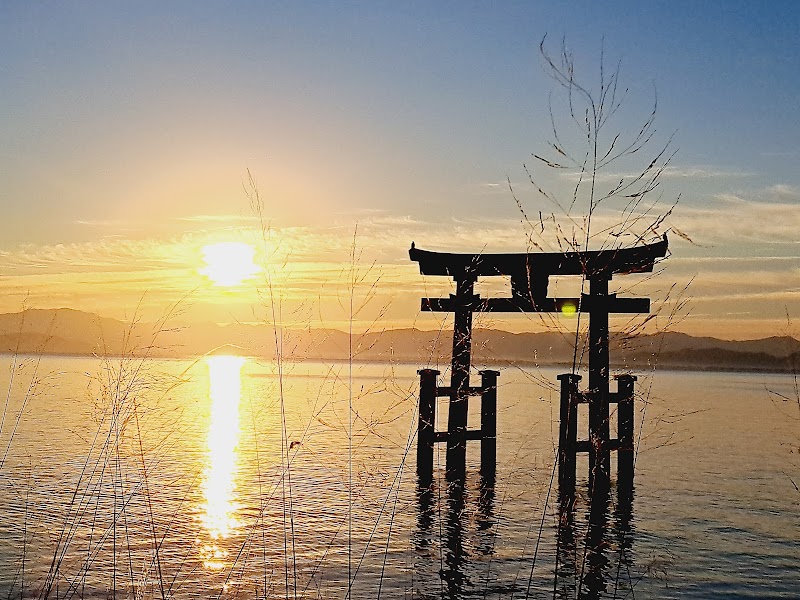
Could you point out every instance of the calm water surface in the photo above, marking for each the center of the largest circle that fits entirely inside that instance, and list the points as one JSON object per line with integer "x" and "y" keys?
{"x": 224, "y": 478}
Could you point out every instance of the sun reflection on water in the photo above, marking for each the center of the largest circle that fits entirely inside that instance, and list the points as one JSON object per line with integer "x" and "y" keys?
{"x": 219, "y": 484}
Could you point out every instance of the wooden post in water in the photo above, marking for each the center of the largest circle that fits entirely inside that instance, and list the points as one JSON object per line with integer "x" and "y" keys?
{"x": 489, "y": 424}
{"x": 568, "y": 433}
{"x": 464, "y": 302}
{"x": 625, "y": 453}
{"x": 598, "y": 384}
{"x": 427, "y": 421}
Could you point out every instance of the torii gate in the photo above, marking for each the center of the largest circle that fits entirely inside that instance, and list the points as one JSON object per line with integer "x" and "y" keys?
{"x": 530, "y": 274}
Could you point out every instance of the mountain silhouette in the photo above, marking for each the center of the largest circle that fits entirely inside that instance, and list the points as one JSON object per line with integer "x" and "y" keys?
{"x": 73, "y": 332}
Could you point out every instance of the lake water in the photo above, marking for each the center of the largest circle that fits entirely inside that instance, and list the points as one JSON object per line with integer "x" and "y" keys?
{"x": 225, "y": 478}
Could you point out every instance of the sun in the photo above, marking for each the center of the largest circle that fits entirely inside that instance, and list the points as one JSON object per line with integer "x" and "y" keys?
{"x": 229, "y": 263}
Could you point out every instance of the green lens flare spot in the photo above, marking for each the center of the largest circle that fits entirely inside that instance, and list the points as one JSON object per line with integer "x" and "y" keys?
{"x": 569, "y": 309}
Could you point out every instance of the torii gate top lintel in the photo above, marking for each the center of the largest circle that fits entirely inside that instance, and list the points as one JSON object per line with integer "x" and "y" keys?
{"x": 597, "y": 263}
{"x": 530, "y": 273}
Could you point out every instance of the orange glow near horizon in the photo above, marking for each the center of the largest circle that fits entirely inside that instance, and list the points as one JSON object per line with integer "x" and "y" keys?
{"x": 229, "y": 263}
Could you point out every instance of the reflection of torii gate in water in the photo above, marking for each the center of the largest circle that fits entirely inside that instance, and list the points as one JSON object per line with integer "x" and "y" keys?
{"x": 530, "y": 273}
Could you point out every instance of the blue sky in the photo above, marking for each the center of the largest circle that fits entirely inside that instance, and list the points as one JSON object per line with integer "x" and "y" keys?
{"x": 132, "y": 121}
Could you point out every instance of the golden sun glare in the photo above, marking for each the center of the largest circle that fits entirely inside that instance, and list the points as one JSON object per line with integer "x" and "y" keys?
{"x": 229, "y": 263}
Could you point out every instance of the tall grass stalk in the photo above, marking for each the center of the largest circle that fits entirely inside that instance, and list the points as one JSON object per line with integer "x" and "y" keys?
{"x": 585, "y": 142}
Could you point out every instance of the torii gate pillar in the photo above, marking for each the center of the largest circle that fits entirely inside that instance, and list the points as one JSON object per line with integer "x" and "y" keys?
{"x": 598, "y": 384}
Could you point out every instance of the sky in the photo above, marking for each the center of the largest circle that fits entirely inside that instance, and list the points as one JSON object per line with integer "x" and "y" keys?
{"x": 331, "y": 135}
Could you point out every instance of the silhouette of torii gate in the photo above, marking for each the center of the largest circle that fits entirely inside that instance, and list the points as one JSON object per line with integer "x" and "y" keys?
{"x": 530, "y": 274}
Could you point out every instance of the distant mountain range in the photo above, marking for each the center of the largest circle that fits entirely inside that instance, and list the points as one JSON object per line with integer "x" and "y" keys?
{"x": 72, "y": 332}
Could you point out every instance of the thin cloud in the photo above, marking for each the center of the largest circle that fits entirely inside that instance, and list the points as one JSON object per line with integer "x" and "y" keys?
{"x": 218, "y": 218}
{"x": 100, "y": 223}
{"x": 780, "y": 154}
{"x": 493, "y": 187}
{"x": 784, "y": 192}
{"x": 740, "y": 222}
{"x": 702, "y": 172}
{"x": 728, "y": 261}
{"x": 669, "y": 172}
{"x": 772, "y": 194}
